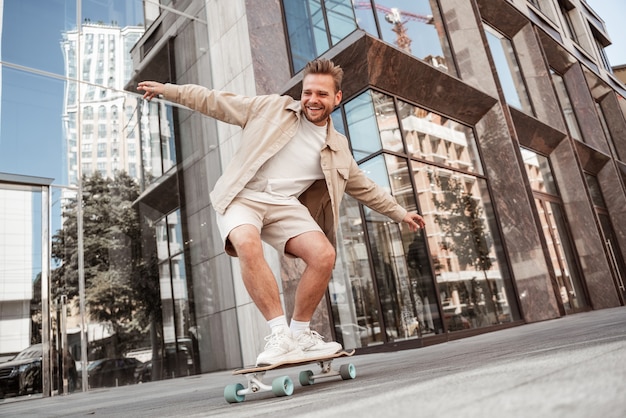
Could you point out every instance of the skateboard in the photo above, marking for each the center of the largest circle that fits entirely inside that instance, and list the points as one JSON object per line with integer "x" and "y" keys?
{"x": 283, "y": 385}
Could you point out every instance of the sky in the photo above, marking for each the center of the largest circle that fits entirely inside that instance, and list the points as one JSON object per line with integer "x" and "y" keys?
{"x": 613, "y": 12}
{"x": 32, "y": 104}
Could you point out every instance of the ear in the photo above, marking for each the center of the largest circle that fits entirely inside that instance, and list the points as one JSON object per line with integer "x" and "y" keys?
{"x": 338, "y": 97}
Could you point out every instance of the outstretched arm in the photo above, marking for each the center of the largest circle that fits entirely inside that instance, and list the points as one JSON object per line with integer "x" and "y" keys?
{"x": 151, "y": 88}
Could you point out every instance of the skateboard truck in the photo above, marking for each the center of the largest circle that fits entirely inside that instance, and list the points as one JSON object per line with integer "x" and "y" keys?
{"x": 346, "y": 371}
{"x": 281, "y": 386}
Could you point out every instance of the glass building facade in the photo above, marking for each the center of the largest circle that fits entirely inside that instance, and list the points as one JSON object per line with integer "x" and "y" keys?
{"x": 499, "y": 121}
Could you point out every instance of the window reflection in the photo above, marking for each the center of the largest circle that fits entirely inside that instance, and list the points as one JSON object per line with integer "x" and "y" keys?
{"x": 101, "y": 62}
{"x": 555, "y": 231}
{"x": 546, "y": 7}
{"x": 399, "y": 300}
{"x": 508, "y": 70}
{"x": 612, "y": 244}
{"x": 403, "y": 275}
{"x": 471, "y": 283}
{"x": 539, "y": 172}
{"x": 352, "y": 294}
{"x": 437, "y": 139}
{"x": 88, "y": 134}
{"x": 29, "y": 147}
{"x": 566, "y": 105}
{"x": 174, "y": 298}
{"x": 413, "y": 26}
{"x": 362, "y": 128}
{"x": 454, "y": 264}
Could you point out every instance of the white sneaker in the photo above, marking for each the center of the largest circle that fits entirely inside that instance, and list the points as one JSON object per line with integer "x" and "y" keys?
{"x": 312, "y": 345}
{"x": 280, "y": 347}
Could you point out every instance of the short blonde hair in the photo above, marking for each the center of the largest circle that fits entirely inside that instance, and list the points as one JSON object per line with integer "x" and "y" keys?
{"x": 325, "y": 66}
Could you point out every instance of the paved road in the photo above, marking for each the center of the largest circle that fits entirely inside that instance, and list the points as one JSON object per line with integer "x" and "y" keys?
{"x": 570, "y": 367}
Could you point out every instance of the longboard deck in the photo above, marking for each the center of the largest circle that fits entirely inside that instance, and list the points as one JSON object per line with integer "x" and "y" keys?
{"x": 284, "y": 364}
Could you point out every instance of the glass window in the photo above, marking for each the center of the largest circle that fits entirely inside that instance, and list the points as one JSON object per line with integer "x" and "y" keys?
{"x": 435, "y": 138}
{"x": 604, "y": 59}
{"x": 25, "y": 94}
{"x": 566, "y": 105}
{"x": 539, "y": 172}
{"x": 605, "y": 127}
{"x": 158, "y": 147}
{"x": 20, "y": 268}
{"x": 457, "y": 261}
{"x": 562, "y": 255}
{"x": 102, "y": 150}
{"x": 307, "y": 31}
{"x": 555, "y": 230}
{"x": 545, "y": 6}
{"x": 352, "y": 291}
{"x": 341, "y": 20}
{"x": 69, "y": 91}
{"x": 508, "y": 70}
{"x": 314, "y": 26}
{"x": 173, "y": 288}
{"x": 465, "y": 249}
{"x": 87, "y": 113}
{"x": 365, "y": 17}
{"x": 168, "y": 146}
{"x": 408, "y": 24}
{"x": 369, "y": 132}
{"x": 361, "y": 120}
{"x": 24, "y": 26}
{"x": 403, "y": 276}
{"x": 595, "y": 191}
{"x": 568, "y": 25}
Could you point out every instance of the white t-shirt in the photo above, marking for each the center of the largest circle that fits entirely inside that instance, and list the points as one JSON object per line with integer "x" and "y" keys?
{"x": 291, "y": 170}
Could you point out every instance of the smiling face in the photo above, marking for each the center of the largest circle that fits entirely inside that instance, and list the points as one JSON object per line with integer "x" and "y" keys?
{"x": 319, "y": 97}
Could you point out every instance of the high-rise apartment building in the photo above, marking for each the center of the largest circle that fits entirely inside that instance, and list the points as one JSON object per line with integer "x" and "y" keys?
{"x": 109, "y": 119}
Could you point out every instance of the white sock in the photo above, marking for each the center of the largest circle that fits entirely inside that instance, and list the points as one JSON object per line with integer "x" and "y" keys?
{"x": 278, "y": 322}
{"x": 297, "y": 327}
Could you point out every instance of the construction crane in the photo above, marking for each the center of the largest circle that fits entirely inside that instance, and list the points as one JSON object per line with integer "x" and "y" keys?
{"x": 398, "y": 18}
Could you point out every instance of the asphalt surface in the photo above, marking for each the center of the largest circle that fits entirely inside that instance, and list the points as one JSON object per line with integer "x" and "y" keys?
{"x": 569, "y": 367}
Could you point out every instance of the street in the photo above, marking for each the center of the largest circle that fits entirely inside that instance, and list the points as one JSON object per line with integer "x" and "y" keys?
{"x": 569, "y": 367}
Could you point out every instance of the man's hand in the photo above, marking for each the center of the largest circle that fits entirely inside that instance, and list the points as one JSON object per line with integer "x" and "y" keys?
{"x": 414, "y": 221}
{"x": 151, "y": 88}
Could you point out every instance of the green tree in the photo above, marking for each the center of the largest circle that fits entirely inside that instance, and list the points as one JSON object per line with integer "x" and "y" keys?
{"x": 121, "y": 287}
{"x": 461, "y": 220}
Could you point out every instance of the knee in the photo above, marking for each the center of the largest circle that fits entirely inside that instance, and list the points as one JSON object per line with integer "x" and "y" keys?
{"x": 325, "y": 258}
{"x": 247, "y": 246}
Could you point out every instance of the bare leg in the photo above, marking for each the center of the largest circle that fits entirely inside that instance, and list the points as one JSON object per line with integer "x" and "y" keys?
{"x": 256, "y": 273}
{"x": 319, "y": 255}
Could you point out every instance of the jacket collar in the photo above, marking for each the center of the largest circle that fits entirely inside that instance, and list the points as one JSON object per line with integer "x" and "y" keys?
{"x": 333, "y": 138}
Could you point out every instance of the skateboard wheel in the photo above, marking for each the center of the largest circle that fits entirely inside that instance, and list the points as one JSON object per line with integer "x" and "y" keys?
{"x": 347, "y": 371}
{"x": 305, "y": 378}
{"x": 230, "y": 393}
{"x": 282, "y": 386}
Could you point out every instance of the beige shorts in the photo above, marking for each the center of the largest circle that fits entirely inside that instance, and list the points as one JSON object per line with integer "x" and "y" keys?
{"x": 277, "y": 223}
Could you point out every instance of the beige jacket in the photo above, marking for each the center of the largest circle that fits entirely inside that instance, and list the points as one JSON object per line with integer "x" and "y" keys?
{"x": 268, "y": 123}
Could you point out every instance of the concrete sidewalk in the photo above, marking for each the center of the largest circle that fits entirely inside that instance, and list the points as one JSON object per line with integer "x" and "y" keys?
{"x": 569, "y": 367}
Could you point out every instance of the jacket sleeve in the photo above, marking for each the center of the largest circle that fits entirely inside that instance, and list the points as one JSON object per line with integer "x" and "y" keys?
{"x": 366, "y": 191}
{"x": 224, "y": 106}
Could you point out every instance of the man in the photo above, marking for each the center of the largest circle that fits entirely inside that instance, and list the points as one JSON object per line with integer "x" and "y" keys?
{"x": 284, "y": 186}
